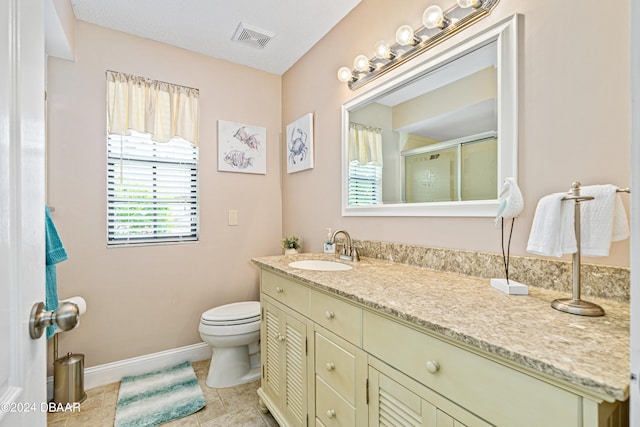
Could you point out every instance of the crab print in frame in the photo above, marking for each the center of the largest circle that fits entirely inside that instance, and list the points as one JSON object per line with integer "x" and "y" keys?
{"x": 300, "y": 144}
{"x": 242, "y": 148}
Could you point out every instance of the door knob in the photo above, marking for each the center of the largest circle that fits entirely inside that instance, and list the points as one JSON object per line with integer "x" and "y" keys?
{"x": 66, "y": 317}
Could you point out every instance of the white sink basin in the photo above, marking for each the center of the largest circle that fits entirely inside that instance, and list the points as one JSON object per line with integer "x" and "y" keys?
{"x": 319, "y": 265}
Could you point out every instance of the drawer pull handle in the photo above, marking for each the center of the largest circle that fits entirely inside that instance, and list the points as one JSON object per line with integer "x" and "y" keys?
{"x": 280, "y": 338}
{"x": 331, "y": 413}
{"x": 330, "y": 366}
{"x": 279, "y": 290}
{"x": 329, "y": 314}
{"x": 433, "y": 366}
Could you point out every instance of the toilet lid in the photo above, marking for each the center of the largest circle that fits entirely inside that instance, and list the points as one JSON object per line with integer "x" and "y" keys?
{"x": 237, "y": 312}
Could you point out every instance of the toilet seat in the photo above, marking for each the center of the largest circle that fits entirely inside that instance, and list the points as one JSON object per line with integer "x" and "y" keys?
{"x": 238, "y": 313}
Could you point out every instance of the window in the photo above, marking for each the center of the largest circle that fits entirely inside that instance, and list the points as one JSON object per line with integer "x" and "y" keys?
{"x": 365, "y": 184}
{"x": 365, "y": 165}
{"x": 152, "y": 161}
{"x": 152, "y": 190}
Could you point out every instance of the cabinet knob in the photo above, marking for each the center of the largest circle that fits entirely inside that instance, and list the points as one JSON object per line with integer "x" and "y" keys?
{"x": 329, "y": 314}
{"x": 331, "y": 413}
{"x": 280, "y": 338}
{"x": 330, "y": 366}
{"x": 279, "y": 289}
{"x": 433, "y": 366}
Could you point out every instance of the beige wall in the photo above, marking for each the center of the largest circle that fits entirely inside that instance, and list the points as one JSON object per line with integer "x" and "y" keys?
{"x": 573, "y": 119}
{"x": 147, "y": 299}
{"x": 467, "y": 91}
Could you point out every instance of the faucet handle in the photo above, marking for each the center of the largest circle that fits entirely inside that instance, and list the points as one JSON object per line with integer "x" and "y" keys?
{"x": 354, "y": 254}
{"x": 344, "y": 250}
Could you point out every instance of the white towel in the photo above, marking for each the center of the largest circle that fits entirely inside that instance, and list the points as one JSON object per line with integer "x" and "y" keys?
{"x": 552, "y": 231}
{"x": 603, "y": 220}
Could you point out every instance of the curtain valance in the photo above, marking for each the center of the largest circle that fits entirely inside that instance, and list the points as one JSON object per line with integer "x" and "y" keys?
{"x": 161, "y": 109}
{"x": 365, "y": 144}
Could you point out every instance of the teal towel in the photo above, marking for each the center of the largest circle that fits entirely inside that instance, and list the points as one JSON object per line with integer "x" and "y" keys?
{"x": 54, "y": 253}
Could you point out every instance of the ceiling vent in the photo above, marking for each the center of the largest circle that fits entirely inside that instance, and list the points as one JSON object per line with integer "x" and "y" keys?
{"x": 252, "y": 36}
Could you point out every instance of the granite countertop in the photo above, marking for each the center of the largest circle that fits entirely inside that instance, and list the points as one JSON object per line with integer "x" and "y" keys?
{"x": 591, "y": 353}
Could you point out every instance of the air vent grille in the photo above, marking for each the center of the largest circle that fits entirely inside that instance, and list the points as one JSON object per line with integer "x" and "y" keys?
{"x": 252, "y": 36}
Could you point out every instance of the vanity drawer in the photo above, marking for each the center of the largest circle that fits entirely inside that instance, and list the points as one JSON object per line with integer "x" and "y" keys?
{"x": 288, "y": 292}
{"x": 495, "y": 392}
{"x": 331, "y": 408}
{"x": 341, "y": 318}
{"x": 336, "y": 366}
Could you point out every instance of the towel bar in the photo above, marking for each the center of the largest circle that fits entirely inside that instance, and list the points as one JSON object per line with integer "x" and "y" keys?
{"x": 575, "y": 305}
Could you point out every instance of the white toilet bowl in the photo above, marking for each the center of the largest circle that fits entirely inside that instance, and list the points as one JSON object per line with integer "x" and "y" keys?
{"x": 233, "y": 332}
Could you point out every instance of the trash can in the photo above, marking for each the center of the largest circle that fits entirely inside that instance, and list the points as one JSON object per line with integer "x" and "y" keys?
{"x": 68, "y": 379}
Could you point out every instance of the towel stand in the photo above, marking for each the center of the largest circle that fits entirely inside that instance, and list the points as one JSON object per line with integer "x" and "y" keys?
{"x": 575, "y": 305}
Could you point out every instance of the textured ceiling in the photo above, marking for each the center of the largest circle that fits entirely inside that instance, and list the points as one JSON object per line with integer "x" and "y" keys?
{"x": 207, "y": 26}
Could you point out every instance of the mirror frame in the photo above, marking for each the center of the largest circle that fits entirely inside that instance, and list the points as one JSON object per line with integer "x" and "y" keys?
{"x": 505, "y": 33}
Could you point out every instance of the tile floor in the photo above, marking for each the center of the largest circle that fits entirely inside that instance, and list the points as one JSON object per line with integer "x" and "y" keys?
{"x": 234, "y": 406}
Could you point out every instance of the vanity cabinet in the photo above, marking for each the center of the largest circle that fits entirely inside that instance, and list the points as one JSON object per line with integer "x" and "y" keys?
{"x": 497, "y": 393}
{"x": 328, "y": 361}
{"x": 284, "y": 369}
{"x": 283, "y": 346}
{"x": 397, "y": 400}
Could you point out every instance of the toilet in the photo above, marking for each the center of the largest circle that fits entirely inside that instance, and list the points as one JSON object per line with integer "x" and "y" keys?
{"x": 233, "y": 332}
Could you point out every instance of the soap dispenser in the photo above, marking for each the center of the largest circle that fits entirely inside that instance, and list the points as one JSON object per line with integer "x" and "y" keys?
{"x": 329, "y": 246}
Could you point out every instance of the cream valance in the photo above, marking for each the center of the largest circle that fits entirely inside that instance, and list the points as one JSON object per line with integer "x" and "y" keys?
{"x": 365, "y": 144}
{"x": 163, "y": 110}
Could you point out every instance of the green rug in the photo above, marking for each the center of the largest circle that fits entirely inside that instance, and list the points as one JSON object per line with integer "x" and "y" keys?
{"x": 158, "y": 397}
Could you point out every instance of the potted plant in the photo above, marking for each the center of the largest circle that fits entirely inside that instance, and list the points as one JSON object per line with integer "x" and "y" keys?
{"x": 290, "y": 245}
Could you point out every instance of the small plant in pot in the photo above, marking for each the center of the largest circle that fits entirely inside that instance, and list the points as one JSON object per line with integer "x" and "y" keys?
{"x": 290, "y": 245}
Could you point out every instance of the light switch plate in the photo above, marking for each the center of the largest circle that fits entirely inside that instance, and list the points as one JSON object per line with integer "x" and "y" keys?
{"x": 233, "y": 217}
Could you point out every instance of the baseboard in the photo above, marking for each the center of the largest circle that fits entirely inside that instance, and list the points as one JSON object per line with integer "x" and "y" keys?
{"x": 108, "y": 373}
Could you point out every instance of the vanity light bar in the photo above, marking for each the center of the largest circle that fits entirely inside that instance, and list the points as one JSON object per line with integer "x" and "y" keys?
{"x": 438, "y": 26}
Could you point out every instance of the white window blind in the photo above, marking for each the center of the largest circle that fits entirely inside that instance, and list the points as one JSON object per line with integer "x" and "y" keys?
{"x": 365, "y": 183}
{"x": 152, "y": 190}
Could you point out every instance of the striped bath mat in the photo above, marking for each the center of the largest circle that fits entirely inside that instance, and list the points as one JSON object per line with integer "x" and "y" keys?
{"x": 158, "y": 397}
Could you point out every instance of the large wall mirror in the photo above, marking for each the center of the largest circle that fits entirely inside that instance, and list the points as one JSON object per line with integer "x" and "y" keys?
{"x": 439, "y": 138}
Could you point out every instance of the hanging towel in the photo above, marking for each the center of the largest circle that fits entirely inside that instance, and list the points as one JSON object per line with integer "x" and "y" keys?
{"x": 603, "y": 220}
{"x": 552, "y": 231}
{"x": 54, "y": 253}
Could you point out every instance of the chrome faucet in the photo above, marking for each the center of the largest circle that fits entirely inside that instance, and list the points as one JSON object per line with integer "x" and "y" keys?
{"x": 348, "y": 252}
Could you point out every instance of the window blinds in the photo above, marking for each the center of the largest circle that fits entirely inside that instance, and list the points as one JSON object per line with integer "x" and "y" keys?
{"x": 365, "y": 184}
{"x": 152, "y": 190}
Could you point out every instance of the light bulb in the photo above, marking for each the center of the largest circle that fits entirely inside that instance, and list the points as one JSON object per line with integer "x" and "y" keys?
{"x": 344, "y": 74}
{"x": 433, "y": 17}
{"x": 469, "y": 3}
{"x": 404, "y": 35}
{"x": 382, "y": 49}
{"x": 361, "y": 63}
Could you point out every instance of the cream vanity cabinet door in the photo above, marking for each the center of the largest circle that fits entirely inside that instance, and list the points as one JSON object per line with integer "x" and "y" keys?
{"x": 284, "y": 363}
{"x": 397, "y": 400}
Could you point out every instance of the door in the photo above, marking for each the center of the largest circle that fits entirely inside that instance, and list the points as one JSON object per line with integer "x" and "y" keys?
{"x": 284, "y": 355}
{"x": 22, "y": 279}
{"x": 635, "y": 216}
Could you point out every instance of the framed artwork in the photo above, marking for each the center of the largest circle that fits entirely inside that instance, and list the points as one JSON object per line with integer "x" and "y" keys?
{"x": 300, "y": 144}
{"x": 242, "y": 148}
